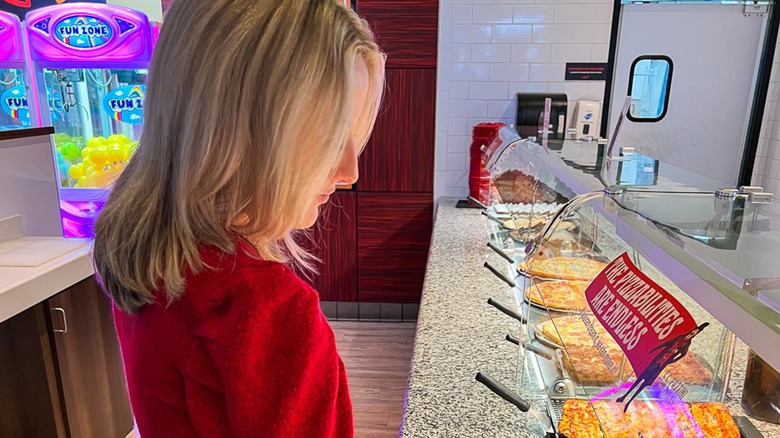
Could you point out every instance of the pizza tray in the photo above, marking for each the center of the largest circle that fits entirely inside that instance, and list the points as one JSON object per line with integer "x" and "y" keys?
{"x": 700, "y": 390}
{"x": 561, "y": 369}
{"x": 555, "y": 410}
{"x": 555, "y": 405}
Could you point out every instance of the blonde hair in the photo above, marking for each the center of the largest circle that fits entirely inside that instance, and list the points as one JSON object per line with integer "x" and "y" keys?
{"x": 247, "y": 111}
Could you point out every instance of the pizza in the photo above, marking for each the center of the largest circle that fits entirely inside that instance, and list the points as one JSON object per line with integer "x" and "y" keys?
{"x": 587, "y": 366}
{"x": 524, "y": 223}
{"x": 690, "y": 369}
{"x": 602, "y": 419}
{"x": 579, "y": 420}
{"x": 648, "y": 419}
{"x": 584, "y": 362}
{"x": 516, "y": 187}
{"x": 582, "y": 359}
{"x": 714, "y": 420}
{"x": 559, "y": 295}
{"x": 564, "y": 268}
{"x": 571, "y": 332}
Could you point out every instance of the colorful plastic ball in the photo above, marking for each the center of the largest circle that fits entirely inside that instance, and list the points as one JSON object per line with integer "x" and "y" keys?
{"x": 83, "y": 181}
{"x": 85, "y": 152}
{"x": 76, "y": 171}
{"x": 99, "y": 156}
{"x": 94, "y": 142}
{"x": 116, "y": 153}
{"x": 70, "y": 151}
{"x": 118, "y": 138}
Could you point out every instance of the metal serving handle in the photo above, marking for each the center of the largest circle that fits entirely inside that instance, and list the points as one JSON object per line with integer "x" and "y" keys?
{"x": 500, "y": 252}
{"x": 503, "y": 392}
{"x": 498, "y": 274}
{"x": 64, "y": 328}
{"x": 506, "y": 311}
{"x": 507, "y": 394}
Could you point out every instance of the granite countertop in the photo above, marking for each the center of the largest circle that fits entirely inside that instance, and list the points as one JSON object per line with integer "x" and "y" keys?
{"x": 459, "y": 334}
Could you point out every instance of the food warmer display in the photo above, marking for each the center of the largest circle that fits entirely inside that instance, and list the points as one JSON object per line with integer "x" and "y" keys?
{"x": 622, "y": 263}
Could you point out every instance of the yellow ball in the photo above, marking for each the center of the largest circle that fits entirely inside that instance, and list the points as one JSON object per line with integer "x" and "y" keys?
{"x": 116, "y": 153}
{"x": 118, "y": 138}
{"x": 76, "y": 171}
{"x": 94, "y": 142}
{"x": 83, "y": 181}
{"x": 86, "y": 151}
{"x": 99, "y": 156}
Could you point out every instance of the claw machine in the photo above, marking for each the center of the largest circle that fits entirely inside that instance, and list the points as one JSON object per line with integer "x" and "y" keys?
{"x": 90, "y": 65}
{"x": 15, "y": 112}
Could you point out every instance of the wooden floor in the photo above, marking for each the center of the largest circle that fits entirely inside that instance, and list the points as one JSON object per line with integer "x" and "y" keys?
{"x": 377, "y": 357}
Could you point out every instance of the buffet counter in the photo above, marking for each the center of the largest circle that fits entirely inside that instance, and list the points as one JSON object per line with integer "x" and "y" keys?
{"x": 459, "y": 334}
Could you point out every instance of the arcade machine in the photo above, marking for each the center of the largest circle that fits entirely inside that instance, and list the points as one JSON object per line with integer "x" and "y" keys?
{"x": 15, "y": 112}
{"x": 92, "y": 61}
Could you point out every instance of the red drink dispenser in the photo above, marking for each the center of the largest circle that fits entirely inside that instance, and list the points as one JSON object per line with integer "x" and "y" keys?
{"x": 483, "y": 135}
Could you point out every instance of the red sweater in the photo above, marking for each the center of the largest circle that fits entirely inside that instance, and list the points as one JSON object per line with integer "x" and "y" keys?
{"x": 245, "y": 352}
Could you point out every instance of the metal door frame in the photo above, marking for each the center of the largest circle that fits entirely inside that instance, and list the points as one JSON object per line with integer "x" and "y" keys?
{"x": 756, "y": 116}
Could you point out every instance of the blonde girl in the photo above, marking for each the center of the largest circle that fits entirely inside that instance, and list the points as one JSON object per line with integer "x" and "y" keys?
{"x": 255, "y": 110}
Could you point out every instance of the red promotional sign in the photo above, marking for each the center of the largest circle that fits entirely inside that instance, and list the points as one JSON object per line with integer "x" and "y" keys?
{"x": 652, "y": 328}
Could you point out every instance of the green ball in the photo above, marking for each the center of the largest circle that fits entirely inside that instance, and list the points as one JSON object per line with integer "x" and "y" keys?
{"x": 70, "y": 151}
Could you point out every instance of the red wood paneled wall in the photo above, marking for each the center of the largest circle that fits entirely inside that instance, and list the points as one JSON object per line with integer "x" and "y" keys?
{"x": 394, "y": 239}
{"x": 375, "y": 247}
{"x": 399, "y": 156}
{"x": 335, "y": 240}
{"x": 407, "y": 30}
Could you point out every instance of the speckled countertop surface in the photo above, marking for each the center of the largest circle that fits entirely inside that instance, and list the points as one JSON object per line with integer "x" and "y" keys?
{"x": 459, "y": 334}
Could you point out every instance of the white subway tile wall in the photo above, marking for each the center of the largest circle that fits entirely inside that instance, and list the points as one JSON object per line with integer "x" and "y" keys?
{"x": 766, "y": 171}
{"x": 489, "y": 50}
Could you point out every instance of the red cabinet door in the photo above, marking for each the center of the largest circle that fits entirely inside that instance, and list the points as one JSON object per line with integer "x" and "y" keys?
{"x": 394, "y": 231}
{"x": 399, "y": 156}
{"x": 407, "y": 30}
{"x": 334, "y": 242}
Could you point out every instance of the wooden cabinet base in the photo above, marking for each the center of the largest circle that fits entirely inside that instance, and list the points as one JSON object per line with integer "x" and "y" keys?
{"x": 58, "y": 383}
{"x": 28, "y": 406}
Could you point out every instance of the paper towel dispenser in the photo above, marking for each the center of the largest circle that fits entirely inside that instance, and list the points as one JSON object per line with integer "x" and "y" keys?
{"x": 530, "y": 115}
